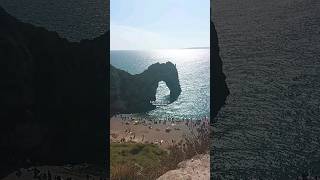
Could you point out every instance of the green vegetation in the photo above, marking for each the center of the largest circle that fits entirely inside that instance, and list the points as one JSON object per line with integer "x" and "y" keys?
{"x": 130, "y": 161}
{"x": 141, "y": 154}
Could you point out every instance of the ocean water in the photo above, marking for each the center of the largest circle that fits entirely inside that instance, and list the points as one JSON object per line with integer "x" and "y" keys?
{"x": 193, "y": 67}
{"x": 270, "y": 125}
{"x": 71, "y": 19}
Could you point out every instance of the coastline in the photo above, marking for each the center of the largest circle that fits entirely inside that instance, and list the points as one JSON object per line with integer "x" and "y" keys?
{"x": 134, "y": 129}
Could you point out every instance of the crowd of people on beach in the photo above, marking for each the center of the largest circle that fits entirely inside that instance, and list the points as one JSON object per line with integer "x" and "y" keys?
{"x": 205, "y": 121}
{"x": 170, "y": 123}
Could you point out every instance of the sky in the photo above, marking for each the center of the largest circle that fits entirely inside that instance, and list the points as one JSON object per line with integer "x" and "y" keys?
{"x": 159, "y": 24}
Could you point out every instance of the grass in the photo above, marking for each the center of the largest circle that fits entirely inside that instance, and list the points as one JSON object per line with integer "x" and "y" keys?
{"x": 131, "y": 161}
{"x": 142, "y": 154}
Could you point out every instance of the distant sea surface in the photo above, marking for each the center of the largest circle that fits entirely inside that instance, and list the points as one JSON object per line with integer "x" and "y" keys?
{"x": 193, "y": 67}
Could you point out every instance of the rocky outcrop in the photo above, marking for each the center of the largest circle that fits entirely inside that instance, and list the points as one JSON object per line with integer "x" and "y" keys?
{"x": 219, "y": 87}
{"x": 133, "y": 93}
{"x": 53, "y": 97}
{"x": 197, "y": 168}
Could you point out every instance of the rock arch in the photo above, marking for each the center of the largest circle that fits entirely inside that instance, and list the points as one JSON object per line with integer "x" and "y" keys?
{"x": 133, "y": 93}
{"x": 162, "y": 72}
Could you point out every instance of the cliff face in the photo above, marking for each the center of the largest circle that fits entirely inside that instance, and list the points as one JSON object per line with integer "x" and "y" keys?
{"x": 53, "y": 97}
{"x": 219, "y": 91}
{"x": 133, "y": 93}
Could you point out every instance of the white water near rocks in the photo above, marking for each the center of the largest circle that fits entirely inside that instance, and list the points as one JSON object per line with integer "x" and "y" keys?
{"x": 270, "y": 125}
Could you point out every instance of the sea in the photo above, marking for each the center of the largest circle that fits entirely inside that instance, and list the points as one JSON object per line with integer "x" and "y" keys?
{"x": 270, "y": 125}
{"x": 71, "y": 19}
{"x": 193, "y": 67}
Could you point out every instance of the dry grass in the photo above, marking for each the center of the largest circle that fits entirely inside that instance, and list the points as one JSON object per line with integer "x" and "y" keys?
{"x": 197, "y": 143}
{"x": 124, "y": 172}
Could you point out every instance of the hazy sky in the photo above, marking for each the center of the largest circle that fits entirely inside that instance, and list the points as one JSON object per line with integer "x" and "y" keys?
{"x": 158, "y": 24}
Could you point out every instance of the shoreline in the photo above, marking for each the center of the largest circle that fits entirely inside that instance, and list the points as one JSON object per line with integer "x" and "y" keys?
{"x": 126, "y": 128}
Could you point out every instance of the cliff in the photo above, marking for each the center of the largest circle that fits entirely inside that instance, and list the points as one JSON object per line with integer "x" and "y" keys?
{"x": 53, "y": 97}
{"x": 219, "y": 88}
{"x": 133, "y": 93}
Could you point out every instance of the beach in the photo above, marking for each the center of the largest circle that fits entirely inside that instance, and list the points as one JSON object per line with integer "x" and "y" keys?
{"x": 156, "y": 146}
{"x": 165, "y": 132}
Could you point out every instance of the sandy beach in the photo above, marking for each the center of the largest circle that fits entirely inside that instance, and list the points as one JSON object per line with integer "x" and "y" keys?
{"x": 130, "y": 128}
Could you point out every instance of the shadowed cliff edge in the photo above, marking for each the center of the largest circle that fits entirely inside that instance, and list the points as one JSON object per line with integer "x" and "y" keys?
{"x": 219, "y": 87}
{"x": 53, "y": 97}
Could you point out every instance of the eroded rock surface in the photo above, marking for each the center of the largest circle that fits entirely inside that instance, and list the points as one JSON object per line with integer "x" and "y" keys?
{"x": 197, "y": 168}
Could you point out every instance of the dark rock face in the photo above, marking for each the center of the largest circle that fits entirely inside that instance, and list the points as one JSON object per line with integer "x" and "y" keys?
{"x": 133, "y": 93}
{"x": 53, "y": 97}
{"x": 219, "y": 87}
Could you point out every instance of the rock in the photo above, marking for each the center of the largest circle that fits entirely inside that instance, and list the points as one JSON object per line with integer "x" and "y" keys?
{"x": 220, "y": 89}
{"x": 197, "y": 168}
{"x": 134, "y": 93}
